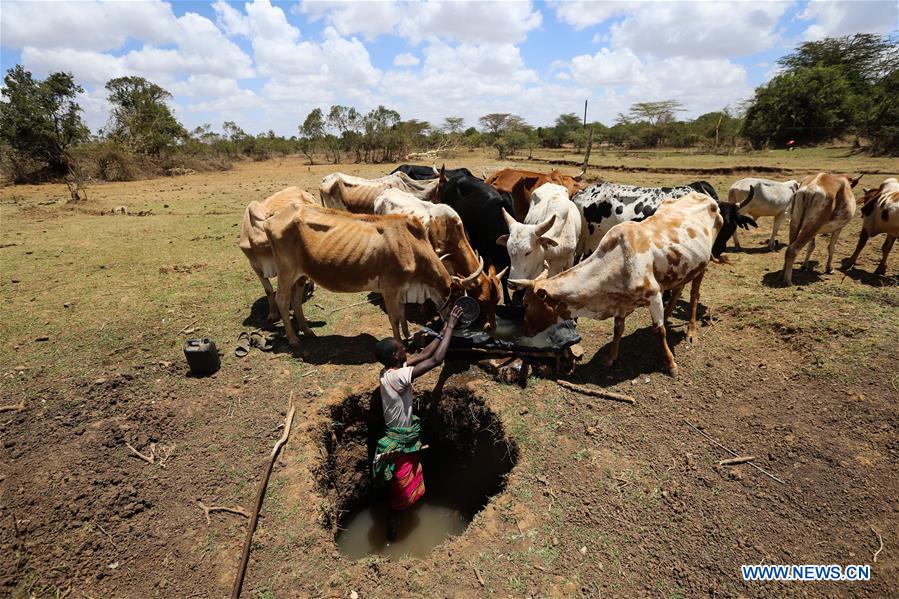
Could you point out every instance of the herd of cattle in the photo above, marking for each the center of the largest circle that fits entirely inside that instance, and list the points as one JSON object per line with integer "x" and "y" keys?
{"x": 573, "y": 249}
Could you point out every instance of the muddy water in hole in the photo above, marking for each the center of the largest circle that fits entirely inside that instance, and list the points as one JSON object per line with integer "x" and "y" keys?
{"x": 419, "y": 530}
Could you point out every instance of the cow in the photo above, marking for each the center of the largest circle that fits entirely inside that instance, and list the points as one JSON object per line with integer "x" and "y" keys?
{"x": 520, "y": 184}
{"x": 880, "y": 214}
{"x": 550, "y": 234}
{"x": 480, "y": 207}
{"x": 607, "y": 204}
{"x": 348, "y": 253}
{"x": 423, "y": 173}
{"x": 355, "y": 194}
{"x": 633, "y": 265}
{"x": 254, "y": 243}
{"x": 446, "y": 233}
{"x": 823, "y": 204}
{"x": 769, "y": 198}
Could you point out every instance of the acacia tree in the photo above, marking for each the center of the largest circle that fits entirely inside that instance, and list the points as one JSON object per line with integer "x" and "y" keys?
{"x": 312, "y": 132}
{"x": 40, "y": 121}
{"x": 655, "y": 113}
{"x": 141, "y": 118}
{"x": 495, "y": 122}
{"x": 453, "y": 125}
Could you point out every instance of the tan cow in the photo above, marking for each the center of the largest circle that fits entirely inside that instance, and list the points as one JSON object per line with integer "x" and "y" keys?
{"x": 880, "y": 214}
{"x": 447, "y": 236}
{"x": 634, "y": 264}
{"x": 254, "y": 242}
{"x": 348, "y": 253}
{"x": 355, "y": 194}
{"x": 823, "y": 204}
{"x": 521, "y": 184}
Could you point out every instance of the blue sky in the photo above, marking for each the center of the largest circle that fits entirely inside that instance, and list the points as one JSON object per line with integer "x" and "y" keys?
{"x": 266, "y": 64}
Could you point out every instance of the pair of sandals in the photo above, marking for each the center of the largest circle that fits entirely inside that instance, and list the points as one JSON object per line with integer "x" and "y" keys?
{"x": 257, "y": 339}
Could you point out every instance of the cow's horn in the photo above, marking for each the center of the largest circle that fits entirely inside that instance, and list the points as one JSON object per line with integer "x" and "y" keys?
{"x": 444, "y": 257}
{"x": 508, "y": 218}
{"x": 545, "y": 225}
{"x": 474, "y": 276}
{"x": 521, "y": 283}
{"x": 502, "y": 273}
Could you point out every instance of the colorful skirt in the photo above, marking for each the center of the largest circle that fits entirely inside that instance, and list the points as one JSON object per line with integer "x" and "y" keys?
{"x": 408, "y": 482}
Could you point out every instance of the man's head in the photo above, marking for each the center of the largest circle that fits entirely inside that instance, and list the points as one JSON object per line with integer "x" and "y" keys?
{"x": 390, "y": 352}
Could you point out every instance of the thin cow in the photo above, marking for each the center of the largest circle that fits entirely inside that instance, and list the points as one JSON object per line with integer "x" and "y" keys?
{"x": 763, "y": 197}
{"x": 255, "y": 244}
{"x": 446, "y": 234}
{"x": 608, "y": 204}
{"x": 823, "y": 204}
{"x": 348, "y": 253}
{"x": 635, "y": 263}
{"x": 355, "y": 194}
{"x": 880, "y": 214}
{"x": 549, "y": 235}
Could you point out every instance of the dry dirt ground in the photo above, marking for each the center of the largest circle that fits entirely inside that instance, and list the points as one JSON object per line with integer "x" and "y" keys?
{"x": 606, "y": 499}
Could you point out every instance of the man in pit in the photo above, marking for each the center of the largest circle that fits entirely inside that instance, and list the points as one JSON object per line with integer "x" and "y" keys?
{"x": 397, "y": 454}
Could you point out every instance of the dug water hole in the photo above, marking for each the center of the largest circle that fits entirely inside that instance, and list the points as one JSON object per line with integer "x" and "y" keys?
{"x": 465, "y": 464}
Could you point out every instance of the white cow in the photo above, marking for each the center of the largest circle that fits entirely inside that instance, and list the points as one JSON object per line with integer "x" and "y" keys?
{"x": 550, "y": 233}
{"x": 880, "y": 214}
{"x": 769, "y": 198}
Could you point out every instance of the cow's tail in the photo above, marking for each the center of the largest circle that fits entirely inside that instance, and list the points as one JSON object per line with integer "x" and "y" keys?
{"x": 801, "y": 200}
{"x": 748, "y": 199}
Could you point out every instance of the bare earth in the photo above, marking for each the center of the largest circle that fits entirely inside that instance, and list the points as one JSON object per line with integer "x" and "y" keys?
{"x": 606, "y": 499}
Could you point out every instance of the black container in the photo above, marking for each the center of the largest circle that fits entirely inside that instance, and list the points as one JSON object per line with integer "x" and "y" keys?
{"x": 202, "y": 356}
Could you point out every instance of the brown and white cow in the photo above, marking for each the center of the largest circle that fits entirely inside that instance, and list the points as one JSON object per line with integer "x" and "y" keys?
{"x": 348, "y": 253}
{"x": 254, "y": 242}
{"x": 880, "y": 214}
{"x": 355, "y": 194}
{"x": 823, "y": 204}
{"x": 447, "y": 236}
{"x": 521, "y": 184}
{"x": 634, "y": 264}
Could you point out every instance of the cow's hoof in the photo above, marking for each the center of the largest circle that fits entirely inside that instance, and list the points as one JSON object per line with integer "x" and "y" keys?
{"x": 692, "y": 337}
{"x": 880, "y": 271}
{"x": 309, "y": 333}
{"x": 673, "y": 370}
{"x": 607, "y": 361}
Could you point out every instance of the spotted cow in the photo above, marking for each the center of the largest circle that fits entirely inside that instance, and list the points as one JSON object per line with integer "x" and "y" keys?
{"x": 607, "y": 204}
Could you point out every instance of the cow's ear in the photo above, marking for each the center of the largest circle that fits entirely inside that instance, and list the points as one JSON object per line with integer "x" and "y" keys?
{"x": 854, "y": 182}
{"x": 745, "y": 221}
{"x": 548, "y": 242}
{"x": 502, "y": 240}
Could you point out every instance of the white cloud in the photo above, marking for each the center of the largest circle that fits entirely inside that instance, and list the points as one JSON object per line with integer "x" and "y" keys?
{"x": 467, "y": 22}
{"x": 700, "y": 29}
{"x": 607, "y": 67}
{"x": 405, "y": 60}
{"x": 845, "y": 18}
{"x": 581, "y": 15}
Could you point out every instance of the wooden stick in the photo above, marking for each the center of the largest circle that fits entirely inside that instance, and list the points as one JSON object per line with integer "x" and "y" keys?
{"x": 15, "y": 407}
{"x": 260, "y": 495}
{"x": 879, "y": 538}
{"x": 480, "y": 578}
{"x": 597, "y": 392}
{"x": 148, "y": 459}
{"x": 733, "y": 453}
{"x": 348, "y": 306}
{"x": 187, "y": 326}
{"x": 737, "y": 460}
{"x": 207, "y": 509}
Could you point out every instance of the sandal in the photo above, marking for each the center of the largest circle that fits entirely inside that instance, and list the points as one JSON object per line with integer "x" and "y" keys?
{"x": 243, "y": 345}
{"x": 261, "y": 340}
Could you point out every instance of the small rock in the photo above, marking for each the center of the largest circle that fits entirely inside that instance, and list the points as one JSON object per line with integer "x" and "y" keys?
{"x": 523, "y": 410}
{"x": 591, "y": 430}
{"x": 44, "y": 338}
{"x": 646, "y": 379}
{"x": 67, "y": 305}
{"x": 718, "y": 394}
{"x": 584, "y": 550}
{"x": 555, "y": 541}
{"x": 354, "y": 595}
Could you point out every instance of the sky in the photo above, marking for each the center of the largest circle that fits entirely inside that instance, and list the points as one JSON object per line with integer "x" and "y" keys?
{"x": 266, "y": 65}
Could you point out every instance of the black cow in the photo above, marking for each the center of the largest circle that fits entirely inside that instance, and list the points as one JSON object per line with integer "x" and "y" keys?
{"x": 606, "y": 204}
{"x": 422, "y": 173}
{"x": 480, "y": 207}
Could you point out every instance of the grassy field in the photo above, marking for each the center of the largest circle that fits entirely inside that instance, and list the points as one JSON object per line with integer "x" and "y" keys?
{"x": 606, "y": 499}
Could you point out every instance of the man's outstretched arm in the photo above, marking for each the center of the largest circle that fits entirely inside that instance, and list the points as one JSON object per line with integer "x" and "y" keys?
{"x": 421, "y": 366}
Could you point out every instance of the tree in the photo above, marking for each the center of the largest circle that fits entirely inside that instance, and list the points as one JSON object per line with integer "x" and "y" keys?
{"x": 312, "y": 132}
{"x": 453, "y": 124}
{"x": 40, "y": 121}
{"x": 495, "y": 122}
{"x": 864, "y": 58}
{"x": 655, "y": 113}
{"x": 141, "y": 118}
